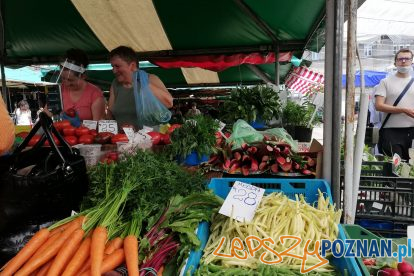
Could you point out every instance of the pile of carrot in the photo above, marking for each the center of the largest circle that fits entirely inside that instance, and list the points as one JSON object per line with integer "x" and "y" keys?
{"x": 67, "y": 250}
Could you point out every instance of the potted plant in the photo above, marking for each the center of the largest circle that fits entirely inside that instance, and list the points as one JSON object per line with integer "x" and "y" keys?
{"x": 194, "y": 141}
{"x": 296, "y": 118}
{"x": 256, "y": 105}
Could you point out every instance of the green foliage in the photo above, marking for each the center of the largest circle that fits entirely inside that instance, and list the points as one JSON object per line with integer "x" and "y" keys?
{"x": 248, "y": 103}
{"x": 196, "y": 134}
{"x": 295, "y": 114}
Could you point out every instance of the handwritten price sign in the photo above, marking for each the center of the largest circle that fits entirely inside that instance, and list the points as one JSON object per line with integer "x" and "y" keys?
{"x": 242, "y": 201}
{"x": 108, "y": 126}
{"x": 90, "y": 124}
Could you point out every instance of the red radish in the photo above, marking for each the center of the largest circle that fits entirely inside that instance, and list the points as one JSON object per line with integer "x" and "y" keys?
{"x": 245, "y": 146}
{"x": 252, "y": 150}
{"x": 277, "y": 150}
{"x": 234, "y": 167}
{"x": 389, "y": 272}
{"x": 237, "y": 156}
{"x": 245, "y": 158}
{"x": 286, "y": 150}
{"x": 274, "y": 168}
{"x": 245, "y": 170}
{"x": 306, "y": 172}
{"x": 254, "y": 165}
{"x": 263, "y": 166}
{"x": 369, "y": 261}
{"x": 408, "y": 274}
{"x": 311, "y": 162}
{"x": 405, "y": 267}
{"x": 217, "y": 134}
{"x": 213, "y": 159}
{"x": 265, "y": 158}
{"x": 286, "y": 166}
{"x": 269, "y": 148}
{"x": 281, "y": 160}
{"x": 226, "y": 164}
{"x": 227, "y": 134}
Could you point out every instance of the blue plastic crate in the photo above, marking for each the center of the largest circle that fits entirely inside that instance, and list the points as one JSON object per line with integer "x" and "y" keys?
{"x": 290, "y": 187}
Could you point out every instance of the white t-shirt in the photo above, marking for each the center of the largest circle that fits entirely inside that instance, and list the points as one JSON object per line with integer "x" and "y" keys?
{"x": 390, "y": 88}
{"x": 23, "y": 118}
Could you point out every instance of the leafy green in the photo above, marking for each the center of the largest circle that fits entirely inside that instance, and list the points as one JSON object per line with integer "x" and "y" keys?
{"x": 196, "y": 134}
{"x": 295, "y": 114}
{"x": 252, "y": 103}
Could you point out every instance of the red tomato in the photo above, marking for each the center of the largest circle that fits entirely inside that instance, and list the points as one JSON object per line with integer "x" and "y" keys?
{"x": 112, "y": 155}
{"x": 69, "y": 131}
{"x": 172, "y": 128}
{"x": 93, "y": 132}
{"x": 72, "y": 140}
{"x": 106, "y": 160}
{"x": 35, "y": 139}
{"x": 71, "y": 112}
{"x": 86, "y": 139}
{"x": 165, "y": 138}
{"x": 80, "y": 131}
{"x": 57, "y": 142}
{"x": 58, "y": 126}
{"x": 155, "y": 137}
{"x": 65, "y": 123}
{"x": 119, "y": 138}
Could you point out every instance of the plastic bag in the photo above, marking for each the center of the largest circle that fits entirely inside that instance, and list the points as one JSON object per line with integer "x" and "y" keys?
{"x": 245, "y": 133}
{"x": 150, "y": 110}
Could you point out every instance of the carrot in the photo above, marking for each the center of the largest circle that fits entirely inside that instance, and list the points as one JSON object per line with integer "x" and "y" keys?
{"x": 131, "y": 254}
{"x": 62, "y": 227}
{"x": 44, "y": 269}
{"x": 48, "y": 253}
{"x": 87, "y": 264}
{"x": 79, "y": 258}
{"x": 159, "y": 273}
{"x": 99, "y": 237}
{"x": 110, "y": 262}
{"x": 27, "y": 251}
{"x": 113, "y": 244}
{"x": 66, "y": 253}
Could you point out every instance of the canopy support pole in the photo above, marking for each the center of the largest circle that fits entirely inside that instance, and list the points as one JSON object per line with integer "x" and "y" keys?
{"x": 277, "y": 66}
{"x": 332, "y": 96}
{"x": 4, "y": 90}
{"x": 262, "y": 75}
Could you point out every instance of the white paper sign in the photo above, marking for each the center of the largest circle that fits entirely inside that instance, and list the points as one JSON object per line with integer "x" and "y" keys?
{"x": 377, "y": 205}
{"x": 405, "y": 170}
{"x": 90, "y": 124}
{"x": 129, "y": 131}
{"x": 242, "y": 201}
{"x": 147, "y": 129}
{"x": 108, "y": 126}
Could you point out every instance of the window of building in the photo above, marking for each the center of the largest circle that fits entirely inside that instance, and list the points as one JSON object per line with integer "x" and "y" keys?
{"x": 367, "y": 50}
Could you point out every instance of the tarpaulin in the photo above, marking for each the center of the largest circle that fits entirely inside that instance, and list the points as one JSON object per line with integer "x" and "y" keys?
{"x": 219, "y": 62}
{"x": 372, "y": 78}
{"x": 302, "y": 78}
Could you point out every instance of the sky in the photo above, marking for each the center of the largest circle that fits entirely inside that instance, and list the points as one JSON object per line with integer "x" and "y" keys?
{"x": 391, "y": 17}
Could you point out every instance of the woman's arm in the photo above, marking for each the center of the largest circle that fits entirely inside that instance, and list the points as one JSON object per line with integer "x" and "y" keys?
{"x": 111, "y": 103}
{"x": 160, "y": 91}
{"x": 98, "y": 109}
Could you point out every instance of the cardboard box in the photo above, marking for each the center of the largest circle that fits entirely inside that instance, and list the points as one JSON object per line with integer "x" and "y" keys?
{"x": 315, "y": 150}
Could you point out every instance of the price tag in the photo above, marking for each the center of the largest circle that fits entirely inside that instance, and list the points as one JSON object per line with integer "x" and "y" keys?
{"x": 108, "y": 126}
{"x": 147, "y": 129}
{"x": 405, "y": 170}
{"x": 377, "y": 205}
{"x": 129, "y": 131}
{"x": 396, "y": 159}
{"x": 221, "y": 125}
{"x": 90, "y": 124}
{"x": 242, "y": 201}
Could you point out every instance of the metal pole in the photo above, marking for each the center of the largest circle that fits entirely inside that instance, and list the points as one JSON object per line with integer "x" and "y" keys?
{"x": 262, "y": 75}
{"x": 332, "y": 97}
{"x": 5, "y": 94}
{"x": 349, "y": 217}
{"x": 360, "y": 136}
{"x": 277, "y": 66}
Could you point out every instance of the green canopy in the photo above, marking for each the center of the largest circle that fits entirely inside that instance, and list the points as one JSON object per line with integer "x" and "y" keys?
{"x": 39, "y": 32}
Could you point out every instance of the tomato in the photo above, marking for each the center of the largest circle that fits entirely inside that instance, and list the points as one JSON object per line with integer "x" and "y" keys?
{"x": 80, "y": 131}
{"x": 58, "y": 126}
{"x": 57, "y": 142}
{"x": 155, "y": 137}
{"x": 35, "y": 139}
{"x": 69, "y": 131}
{"x": 93, "y": 132}
{"x": 71, "y": 112}
{"x": 165, "y": 139}
{"x": 103, "y": 137}
{"x": 112, "y": 155}
{"x": 65, "y": 123}
{"x": 172, "y": 128}
{"x": 72, "y": 140}
{"x": 119, "y": 138}
{"x": 106, "y": 160}
{"x": 86, "y": 139}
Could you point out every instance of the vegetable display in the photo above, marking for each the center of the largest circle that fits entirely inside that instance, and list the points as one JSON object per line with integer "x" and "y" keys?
{"x": 276, "y": 215}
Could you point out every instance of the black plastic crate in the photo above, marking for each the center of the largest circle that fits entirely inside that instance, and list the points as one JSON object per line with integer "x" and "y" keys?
{"x": 384, "y": 228}
{"x": 385, "y": 198}
{"x": 374, "y": 168}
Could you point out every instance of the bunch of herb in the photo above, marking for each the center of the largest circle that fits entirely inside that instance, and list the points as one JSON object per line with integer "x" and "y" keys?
{"x": 154, "y": 178}
{"x": 252, "y": 103}
{"x": 295, "y": 114}
{"x": 197, "y": 134}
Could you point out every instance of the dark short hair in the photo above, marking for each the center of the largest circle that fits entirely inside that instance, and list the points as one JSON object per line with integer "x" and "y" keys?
{"x": 78, "y": 57}
{"x": 125, "y": 53}
{"x": 403, "y": 50}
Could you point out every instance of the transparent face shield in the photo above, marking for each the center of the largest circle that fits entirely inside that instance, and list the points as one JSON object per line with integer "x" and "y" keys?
{"x": 69, "y": 68}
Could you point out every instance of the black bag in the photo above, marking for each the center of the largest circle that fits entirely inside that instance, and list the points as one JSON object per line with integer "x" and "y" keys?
{"x": 42, "y": 183}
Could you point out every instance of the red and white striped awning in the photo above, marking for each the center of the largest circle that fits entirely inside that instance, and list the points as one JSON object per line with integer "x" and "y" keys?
{"x": 302, "y": 78}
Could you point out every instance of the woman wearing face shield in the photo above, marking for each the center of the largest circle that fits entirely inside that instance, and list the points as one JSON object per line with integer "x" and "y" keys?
{"x": 81, "y": 99}
{"x": 395, "y": 97}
